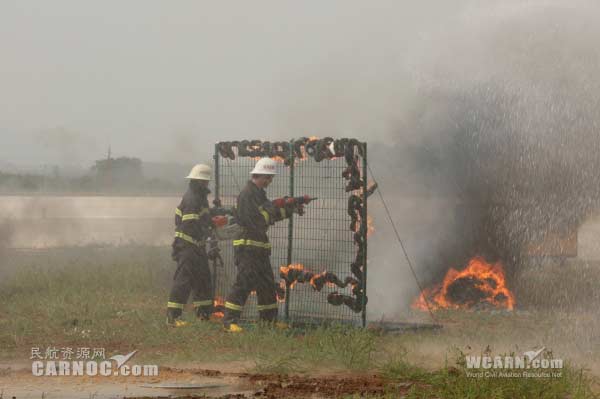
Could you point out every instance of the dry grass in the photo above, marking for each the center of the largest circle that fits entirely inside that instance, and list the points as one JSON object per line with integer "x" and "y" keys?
{"x": 115, "y": 298}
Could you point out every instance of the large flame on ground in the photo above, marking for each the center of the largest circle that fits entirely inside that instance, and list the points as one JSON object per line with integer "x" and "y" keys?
{"x": 479, "y": 283}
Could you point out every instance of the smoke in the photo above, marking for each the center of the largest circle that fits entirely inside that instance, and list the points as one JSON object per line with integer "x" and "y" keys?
{"x": 494, "y": 143}
{"x": 523, "y": 140}
{"x": 67, "y": 146}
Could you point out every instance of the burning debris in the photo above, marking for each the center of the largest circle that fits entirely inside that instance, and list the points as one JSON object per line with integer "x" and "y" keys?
{"x": 218, "y": 307}
{"x": 318, "y": 149}
{"x": 337, "y": 299}
{"x": 296, "y": 273}
{"x": 480, "y": 283}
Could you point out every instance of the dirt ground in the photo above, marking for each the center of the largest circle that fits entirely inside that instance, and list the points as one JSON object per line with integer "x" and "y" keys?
{"x": 17, "y": 382}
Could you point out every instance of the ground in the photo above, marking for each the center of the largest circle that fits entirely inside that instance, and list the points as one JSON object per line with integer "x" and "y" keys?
{"x": 113, "y": 299}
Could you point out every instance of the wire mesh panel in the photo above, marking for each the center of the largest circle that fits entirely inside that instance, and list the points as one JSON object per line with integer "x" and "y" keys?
{"x": 323, "y": 241}
{"x": 320, "y": 255}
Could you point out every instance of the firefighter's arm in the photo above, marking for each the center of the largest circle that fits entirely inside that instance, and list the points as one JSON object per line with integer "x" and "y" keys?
{"x": 195, "y": 220}
{"x": 276, "y": 214}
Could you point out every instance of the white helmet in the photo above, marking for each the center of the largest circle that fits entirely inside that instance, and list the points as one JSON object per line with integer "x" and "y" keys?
{"x": 200, "y": 172}
{"x": 264, "y": 166}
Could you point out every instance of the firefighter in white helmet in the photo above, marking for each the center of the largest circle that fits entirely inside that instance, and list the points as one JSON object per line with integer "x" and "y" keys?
{"x": 192, "y": 227}
{"x": 252, "y": 249}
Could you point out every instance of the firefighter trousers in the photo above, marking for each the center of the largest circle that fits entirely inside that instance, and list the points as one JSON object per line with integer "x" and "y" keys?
{"x": 254, "y": 274}
{"x": 192, "y": 276}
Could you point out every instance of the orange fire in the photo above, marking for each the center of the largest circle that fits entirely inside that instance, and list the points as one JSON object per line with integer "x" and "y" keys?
{"x": 370, "y": 226}
{"x": 286, "y": 269}
{"x": 479, "y": 282}
{"x": 276, "y": 158}
{"x": 282, "y": 287}
{"x": 218, "y": 303}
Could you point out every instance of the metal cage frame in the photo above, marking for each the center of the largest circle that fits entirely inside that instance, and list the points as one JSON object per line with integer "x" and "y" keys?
{"x": 226, "y": 168}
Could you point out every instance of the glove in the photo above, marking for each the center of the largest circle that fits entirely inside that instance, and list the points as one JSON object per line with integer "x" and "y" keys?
{"x": 219, "y": 221}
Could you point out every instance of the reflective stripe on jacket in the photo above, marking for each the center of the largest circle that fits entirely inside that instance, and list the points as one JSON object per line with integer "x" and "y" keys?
{"x": 192, "y": 219}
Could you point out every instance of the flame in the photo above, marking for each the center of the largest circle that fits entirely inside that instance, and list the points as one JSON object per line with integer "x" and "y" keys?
{"x": 487, "y": 279}
{"x": 281, "y": 286}
{"x": 285, "y": 270}
{"x": 276, "y": 158}
{"x": 219, "y": 301}
{"x": 294, "y": 266}
{"x": 370, "y": 226}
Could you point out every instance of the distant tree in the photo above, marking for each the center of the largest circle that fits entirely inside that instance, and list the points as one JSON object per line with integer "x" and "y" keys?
{"x": 118, "y": 173}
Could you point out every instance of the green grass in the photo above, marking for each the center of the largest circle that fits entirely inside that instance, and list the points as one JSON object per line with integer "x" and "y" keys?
{"x": 115, "y": 299}
{"x": 453, "y": 381}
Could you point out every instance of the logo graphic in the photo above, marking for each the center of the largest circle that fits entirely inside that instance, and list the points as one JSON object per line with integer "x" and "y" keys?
{"x": 122, "y": 359}
{"x": 532, "y": 355}
{"x": 531, "y": 364}
{"x": 85, "y": 362}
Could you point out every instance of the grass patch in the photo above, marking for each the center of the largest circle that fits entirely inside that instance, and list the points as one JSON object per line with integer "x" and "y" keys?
{"x": 456, "y": 381}
{"x": 115, "y": 299}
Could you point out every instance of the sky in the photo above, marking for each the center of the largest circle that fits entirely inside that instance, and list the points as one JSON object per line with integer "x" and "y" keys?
{"x": 164, "y": 80}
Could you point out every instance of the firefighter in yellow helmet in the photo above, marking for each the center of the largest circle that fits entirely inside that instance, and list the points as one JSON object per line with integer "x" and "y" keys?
{"x": 192, "y": 228}
{"x": 252, "y": 249}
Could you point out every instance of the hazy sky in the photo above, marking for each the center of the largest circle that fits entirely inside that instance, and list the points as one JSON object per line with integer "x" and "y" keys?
{"x": 164, "y": 80}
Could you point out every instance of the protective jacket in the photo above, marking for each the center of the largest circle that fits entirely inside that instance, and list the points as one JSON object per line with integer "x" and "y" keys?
{"x": 255, "y": 214}
{"x": 192, "y": 221}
